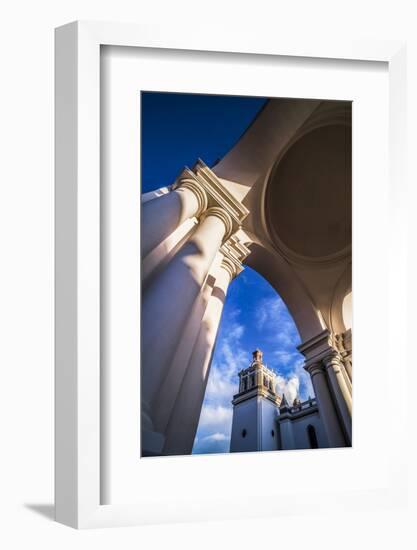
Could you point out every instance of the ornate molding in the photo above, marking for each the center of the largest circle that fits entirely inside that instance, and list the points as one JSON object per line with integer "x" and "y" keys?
{"x": 314, "y": 368}
{"x": 344, "y": 342}
{"x": 199, "y": 192}
{"x": 233, "y": 268}
{"x": 223, "y": 215}
{"x": 234, "y": 252}
{"x": 216, "y": 194}
{"x": 317, "y": 347}
{"x": 332, "y": 361}
{"x": 321, "y": 353}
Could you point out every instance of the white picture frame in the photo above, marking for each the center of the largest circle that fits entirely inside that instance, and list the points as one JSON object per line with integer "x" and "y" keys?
{"x": 78, "y": 404}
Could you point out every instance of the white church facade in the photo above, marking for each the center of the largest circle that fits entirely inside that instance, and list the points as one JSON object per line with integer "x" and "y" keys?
{"x": 265, "y": 421}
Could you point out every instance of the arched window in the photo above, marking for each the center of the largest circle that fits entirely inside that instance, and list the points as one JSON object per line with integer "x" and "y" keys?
{"x": 312, "y": 437}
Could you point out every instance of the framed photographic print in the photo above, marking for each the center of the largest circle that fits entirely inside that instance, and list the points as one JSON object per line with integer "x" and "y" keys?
{"x": 222, "y": 247}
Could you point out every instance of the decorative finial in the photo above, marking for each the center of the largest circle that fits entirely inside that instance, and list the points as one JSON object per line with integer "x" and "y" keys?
{"x": 284, "y": 403}
{"x": 257, "y": 355}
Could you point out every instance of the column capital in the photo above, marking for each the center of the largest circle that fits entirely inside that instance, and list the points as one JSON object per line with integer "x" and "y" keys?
{"x": 234, "y": 251}
{"x": 344, "y": 344}
{"x": 318, "y": 347}
{"x": 223, "y": 215}
{"x": 231, "y": 267}
{"x": 217, "y": 195}
{"x": 332, "y": 360}
{"x": 187, "y": 181}
{"x": 314, "y": 367}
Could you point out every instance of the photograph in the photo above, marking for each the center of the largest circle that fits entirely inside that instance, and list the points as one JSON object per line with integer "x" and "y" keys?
{"x": 209, "y": 210}
{"x": 246, "y": 274}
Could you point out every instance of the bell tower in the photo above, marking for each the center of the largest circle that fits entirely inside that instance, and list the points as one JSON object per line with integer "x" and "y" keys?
{"x": 255, "y": 409}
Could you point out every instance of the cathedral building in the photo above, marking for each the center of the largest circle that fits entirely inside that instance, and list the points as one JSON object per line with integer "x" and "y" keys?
{"x": 265, "y": 421}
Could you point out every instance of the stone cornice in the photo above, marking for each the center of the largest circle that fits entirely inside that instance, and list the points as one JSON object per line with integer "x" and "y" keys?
{"x": 236, "y": 248}
{"x": 321, "y": 353}
{"x": 344, "y": 342}
{"x": 292, "y": 414}
{"x": 234, "y": 252}
{"x": 257, "y": 391}
{"x": 318, "y": 347}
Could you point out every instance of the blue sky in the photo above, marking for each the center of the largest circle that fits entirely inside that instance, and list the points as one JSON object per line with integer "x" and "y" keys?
{"x": 177, "y": 129}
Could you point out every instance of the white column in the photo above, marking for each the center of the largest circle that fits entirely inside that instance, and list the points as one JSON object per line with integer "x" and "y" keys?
{"x": 184, "y": 420}
{"x": 325, "y": 403}
{"x": 348, "y": 369}
{"x": 164, "y": 251}
{"x": 169, "y": 299}
{"x": 341, "y": 393}
{"x": 162, "y": 215}
{"x": 170, "y": 388}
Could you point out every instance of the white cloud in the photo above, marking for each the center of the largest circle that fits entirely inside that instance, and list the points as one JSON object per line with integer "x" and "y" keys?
{"x": 296, "y": 378}
{"x": 270, "y": 312}
{"x": 296, "y": 384}
{"x": 215, "y": 416}
{"x": 292, "y": 389}
{"x": 284, "y": 357}
{"x": 220, "y": 387}
{"x": 289, "y": 387}
{"x": 261, "y": 317}
{"x": 273, "y": 317}
{"x": 216, "y": 437}
{"x": 213, "y": 443}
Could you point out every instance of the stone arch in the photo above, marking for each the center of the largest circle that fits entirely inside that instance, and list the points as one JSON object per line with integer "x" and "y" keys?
{"x": 342, "y": 289}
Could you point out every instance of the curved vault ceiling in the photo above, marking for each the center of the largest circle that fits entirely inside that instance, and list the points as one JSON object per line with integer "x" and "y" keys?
{"x": 308, "y": 200}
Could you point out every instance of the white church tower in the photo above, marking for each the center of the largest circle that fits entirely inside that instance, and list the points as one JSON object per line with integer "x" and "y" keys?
{"x": 255, "y": 409}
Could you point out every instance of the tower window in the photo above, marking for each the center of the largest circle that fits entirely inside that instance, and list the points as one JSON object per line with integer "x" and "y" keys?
{"x": 272, "y": 433}
{"x": 244, "y": 432}
{"x": 312, "y": 437}
{"x": 245, "y": 384}
{"x": 252, "y": 380}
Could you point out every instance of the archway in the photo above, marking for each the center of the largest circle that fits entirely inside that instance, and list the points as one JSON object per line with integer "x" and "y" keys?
{"x": 254, "y": 316}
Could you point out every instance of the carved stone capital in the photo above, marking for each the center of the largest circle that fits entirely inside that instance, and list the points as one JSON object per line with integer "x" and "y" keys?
{"x": 344, "y": 344}
{"x": 234, "y": 252}
{"x": 189, "y": 182}
{"x": 223, "y": 215}
{"x": 315, "y": 349}
{"x": 211, "y": 193}
{"x": 332, "y": 361}
{"x": 314, "y": 368}
{"x": 233, "y": 268}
